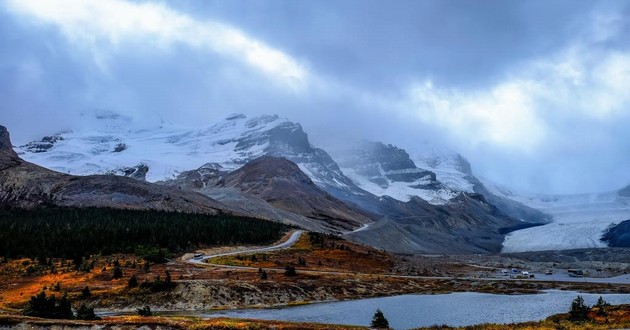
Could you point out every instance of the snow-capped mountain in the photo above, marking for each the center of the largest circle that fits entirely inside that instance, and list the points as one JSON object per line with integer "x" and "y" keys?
{"x": 116, "y": 144}
{"x": 388, "y": 170}
{"x": 466, "y": 221}
{"x": 450, "y": 168}
{"x": 579, "y": 220}
{"x": 26, "y": 185}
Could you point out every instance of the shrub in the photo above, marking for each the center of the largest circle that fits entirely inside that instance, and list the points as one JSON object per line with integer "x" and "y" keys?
{"x": 86, "y": 313}
{"x": 145, "y": 311}
{"x": 290, "y": 271}
{"x": 133, "y": 282}
{"x": 85, "y": 293}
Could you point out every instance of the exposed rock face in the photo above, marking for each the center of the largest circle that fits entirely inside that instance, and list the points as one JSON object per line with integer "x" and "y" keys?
{"x": 281, "y": 183}
{"x": 625, "y": 192}
{"x": 467, "y": 224}
{"x": 388, "y": 170}
{"x": 138, "y": 172}
{"x": 618, "y": 235}
{"x": 382, "y": 164}
{"x": 43, "y": 145}
{"x": 6, "y": 149}
{"x": 23, "y": 184}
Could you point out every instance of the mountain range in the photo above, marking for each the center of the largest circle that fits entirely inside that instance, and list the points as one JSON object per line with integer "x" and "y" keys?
{"x": 266, "y": 167}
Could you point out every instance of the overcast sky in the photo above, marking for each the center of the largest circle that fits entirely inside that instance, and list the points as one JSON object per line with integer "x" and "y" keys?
{"x": 536, "y": 94}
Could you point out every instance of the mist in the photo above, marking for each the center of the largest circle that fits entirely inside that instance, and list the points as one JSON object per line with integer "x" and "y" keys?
{"x": 534, "y": 94}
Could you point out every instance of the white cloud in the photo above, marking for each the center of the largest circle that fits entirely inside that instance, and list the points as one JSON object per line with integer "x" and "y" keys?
{"x": 102, "y": 25}
{"x": 520, "y": 111}
{"x": 502, "y": 116}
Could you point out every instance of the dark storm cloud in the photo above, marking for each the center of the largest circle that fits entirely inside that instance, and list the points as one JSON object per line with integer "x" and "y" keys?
{"x": 532, "y": 92}
{"x": 383, "y": 44}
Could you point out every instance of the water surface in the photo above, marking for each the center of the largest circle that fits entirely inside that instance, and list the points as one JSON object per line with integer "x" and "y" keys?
{"x": 409, "y": 311}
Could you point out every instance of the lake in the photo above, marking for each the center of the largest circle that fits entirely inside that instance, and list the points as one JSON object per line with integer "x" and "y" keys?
{"x": 409, "y": 311}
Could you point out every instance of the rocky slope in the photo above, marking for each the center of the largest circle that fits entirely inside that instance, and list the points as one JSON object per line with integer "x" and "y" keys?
{"x": 271, "y": 182}
{"x": 387, "y": 170}
{"x": 23, "y": 184}
{"x": 467, "y": 224}
{"x": 436, "y": 176}
{"x": 618, "y": 235}
{"x": 281, "y": 183}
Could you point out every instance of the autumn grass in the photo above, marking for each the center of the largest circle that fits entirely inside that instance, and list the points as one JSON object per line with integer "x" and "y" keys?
{"x": 618, "y": 317}
{"x": 22, "y": 278}
{"x": 169, "y": 322}
{"x": 333, "y": 255}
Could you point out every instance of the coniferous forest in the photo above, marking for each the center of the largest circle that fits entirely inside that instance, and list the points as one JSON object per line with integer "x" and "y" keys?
{"x": 72, "y": 232}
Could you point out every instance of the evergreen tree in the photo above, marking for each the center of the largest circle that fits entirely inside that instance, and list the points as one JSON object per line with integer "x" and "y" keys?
{"x": 64, "y": 308}
{"x": 601, "y": 306}
{"x": 263, "y": 275}
{"x": 85, "y": 293}
{"x": 73, "y": 233}
{"x": 133, "y": 282}
{"x": 40, "y": 306}
{"x": 145, "y": 311}
{"x": 117, "y": 273}
{"x": 579, "y": 310}
{"x": 49, "y": 307}
{"x": 379, "y": 321}
{"x": 86, "y": 313}
{"x": 290, "y": 271}
{"x": 167, "y": 280}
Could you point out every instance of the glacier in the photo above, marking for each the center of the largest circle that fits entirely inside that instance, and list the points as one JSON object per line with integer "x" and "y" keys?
{"x": 578, "y": 221}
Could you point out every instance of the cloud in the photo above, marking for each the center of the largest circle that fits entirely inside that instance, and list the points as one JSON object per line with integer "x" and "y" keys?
{"x": 105, "y": 26}
{"x": 522, "y": 111}
{"x": 533, "y": 93}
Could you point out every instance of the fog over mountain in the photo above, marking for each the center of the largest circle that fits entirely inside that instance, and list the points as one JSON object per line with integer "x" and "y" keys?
{"x": 534, "y": 94}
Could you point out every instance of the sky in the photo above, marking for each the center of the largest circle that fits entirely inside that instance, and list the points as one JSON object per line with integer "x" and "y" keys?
{"x": 535, "y": 94}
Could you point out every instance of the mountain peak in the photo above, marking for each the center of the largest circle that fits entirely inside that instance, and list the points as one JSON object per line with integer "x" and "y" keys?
{"x": 269, "y": 167}
{"x": 282, "y": 183}
{"x": 234, "y": 116}
{"x": 6, "y": 148}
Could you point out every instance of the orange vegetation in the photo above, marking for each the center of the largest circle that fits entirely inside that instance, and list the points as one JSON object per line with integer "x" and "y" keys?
{"x": 332, "y": 254}
{"x": 134, "y": 322}
{"x": 23, "y": 278}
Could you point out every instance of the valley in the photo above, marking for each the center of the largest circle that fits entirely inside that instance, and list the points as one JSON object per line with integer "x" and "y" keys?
{"x": 254, "y": 216}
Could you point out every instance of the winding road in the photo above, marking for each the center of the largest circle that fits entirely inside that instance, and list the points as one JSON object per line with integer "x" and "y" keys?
{"x": 285, "y": 245}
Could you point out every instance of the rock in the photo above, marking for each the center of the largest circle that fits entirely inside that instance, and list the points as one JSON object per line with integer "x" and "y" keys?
{"x": 6, "y": 148}
{"x": 618, "y": 235}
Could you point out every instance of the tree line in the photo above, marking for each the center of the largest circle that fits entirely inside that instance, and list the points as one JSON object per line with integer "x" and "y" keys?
{"x": 72, "y": 232}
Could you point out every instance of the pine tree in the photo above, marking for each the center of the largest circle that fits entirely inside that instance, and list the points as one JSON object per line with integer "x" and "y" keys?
{"x": 167, "y": 280}
{"x": 85, "y": 293}
{"x": 63, "y": 309}
{"x": 290, "y": 271}
{"x": 379, "y": 321}
{"x": 601, "y": 304}
{"x": 117, "y": 273}
{"x": 133, "y": 282}
{"x": 86, "y": 313}
{"x": 145, "y": 311}
{"x": 263, "y": 275}
{"x": 579, "y": 310}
